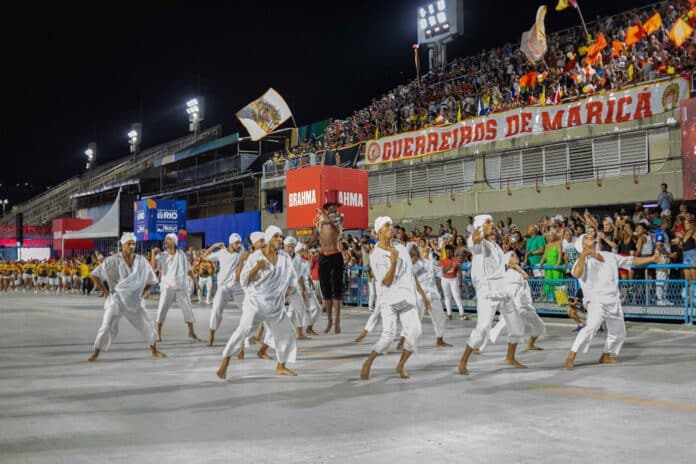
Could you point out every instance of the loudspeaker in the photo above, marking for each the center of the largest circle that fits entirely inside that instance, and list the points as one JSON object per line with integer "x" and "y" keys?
{"x": 19, "y": 228}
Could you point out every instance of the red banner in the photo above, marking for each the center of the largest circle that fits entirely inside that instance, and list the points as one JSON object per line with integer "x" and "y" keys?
{"x": 61, "y": 226}
{"x": 305, "y": 193}
{"x": 688, "y": 142}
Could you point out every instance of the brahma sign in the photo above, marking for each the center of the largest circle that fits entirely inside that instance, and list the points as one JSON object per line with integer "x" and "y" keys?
{"x": 305, "y": 193}
{"x": 602, "y": 108}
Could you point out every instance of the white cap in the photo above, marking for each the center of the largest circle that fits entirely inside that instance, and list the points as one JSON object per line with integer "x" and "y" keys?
{"x": 481, "y": 219}
{"x": 270, "y": 232}
{"x": 380, "y": 222}
{"x": 128, "y": 237}
{"x": 234, "y": 238}
{"x": 255, "y": 237}
{"x": 300, "y": 247}
{"x": 290, "y": 240}
{"x": 174, "y": 238}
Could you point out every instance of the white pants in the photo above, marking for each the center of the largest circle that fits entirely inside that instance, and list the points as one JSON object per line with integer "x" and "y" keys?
{"x": 206, "y": 283}
{"x": 597, "y": 313}
{"x": 373, "y": 320}
{"x": 485, "y": 312}
{"x": 410, "y": 321}
{"x": 278, "y": 326}
{"x": 313, "y": 309}
{"x": 451, "y": 289}
{"x": 533, "y": 325}
{"x": 167, "y": 297}
{"x": 437, "y": 315}
{"x": 113, "y": 310}
{"x": 372, "y": 294}
{"x": 222, "y": 296}
{"x": 297, "y": 310}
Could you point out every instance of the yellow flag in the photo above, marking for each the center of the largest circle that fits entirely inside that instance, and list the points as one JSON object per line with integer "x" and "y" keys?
{"x": 542, "y": 98}
{"x": 562, "y": 5}
{"x": 630, "y": 72}
{"x": 459, "y": 112}
{"x": 680, "y": 32}
{"x": 376, "y": 132}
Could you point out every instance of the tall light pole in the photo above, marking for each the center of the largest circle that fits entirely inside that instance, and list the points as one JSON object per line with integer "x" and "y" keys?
{"x": 135, "y": 135}
{"x": 439, "y": 22}
{"x": 4, "y": 203}
{"x": 91, "y": 154}
{"x": 195, "y": 110}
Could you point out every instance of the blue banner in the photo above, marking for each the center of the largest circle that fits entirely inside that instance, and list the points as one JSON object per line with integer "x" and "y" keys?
{"x": 154, "y": 219}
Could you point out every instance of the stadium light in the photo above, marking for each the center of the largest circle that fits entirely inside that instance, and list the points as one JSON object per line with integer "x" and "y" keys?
{"x": 134, "y": 137}
{"x": 91, "y": 154}
{"x": 194, "y": 109}
{"x": 439, "y": 23}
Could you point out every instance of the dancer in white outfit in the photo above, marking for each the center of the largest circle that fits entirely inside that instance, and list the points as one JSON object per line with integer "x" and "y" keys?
{"x": 297, "y": 298}
{"x": 396, "y": 297}
{"x": 174, "y": 267}
{"x": 229, "y": 287}
{"x": 425, "y": 274}
{"x": 313, "y": 306}
{"x": 266, "y": 277}
{"x": 129, "y": 276}
{"x": 516, "y": 283}
{"x": 598, "y": 274}
{"x": 487, "y": 272}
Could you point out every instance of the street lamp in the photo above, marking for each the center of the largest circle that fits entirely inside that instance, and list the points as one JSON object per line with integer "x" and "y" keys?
{"x": 91, "y": 154}
{"x": 134, "y": 136}
{"x": 439, "y": 22}
{"x": 4, "y": 203}
{"x": 195, "y": 111}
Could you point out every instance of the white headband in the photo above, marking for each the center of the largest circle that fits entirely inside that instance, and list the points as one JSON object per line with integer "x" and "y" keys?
{"x": 300, "y": 247}
{"x": 255, "y": 237}
{"x": 234, "y": 238}
{"x": 128, "y": 237}
{"x": 381, "y": 222}
{"x": 174, "y": 238}
{"x": 481, "y": 219}
{"x": 290, "y": 241}
{"x": 270, "y": 232}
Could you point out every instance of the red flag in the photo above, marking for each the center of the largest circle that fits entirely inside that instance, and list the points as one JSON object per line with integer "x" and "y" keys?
{"x": 652, "y": 24}
{"x": 634, "y": 34}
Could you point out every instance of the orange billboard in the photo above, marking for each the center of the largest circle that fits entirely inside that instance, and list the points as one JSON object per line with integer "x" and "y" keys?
{"x": 308, "y": 187}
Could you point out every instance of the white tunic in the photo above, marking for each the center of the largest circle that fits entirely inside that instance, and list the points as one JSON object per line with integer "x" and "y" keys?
{"x": 600, "y": 280}
{"x": 402, "y": 291}
{"x": 126, "y": 284}
{"x": 174, "y": 269}
{"x": 267, "y": 291}
{"x": 228, "y": 266}
{"x": 487, "y": 263}
{"x": 426, "y": 275}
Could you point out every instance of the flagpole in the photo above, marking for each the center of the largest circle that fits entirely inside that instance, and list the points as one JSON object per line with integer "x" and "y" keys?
{"x": 416, "y": 58}
{"x": 584, "y": 26}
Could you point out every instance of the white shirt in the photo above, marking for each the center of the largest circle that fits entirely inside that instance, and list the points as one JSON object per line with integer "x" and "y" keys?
{"x": 228, "y": 266}
{"x": 267, "y": 291}
{"x": 426, "y": 274}
{"x": 487, "y": 261}
{"x": 402, "y": 292}
{"x": 301, "y": 269}
{"x": 173, "y": 269}
{"x": 600, "y": 280}
{"x": 126, "y": 283}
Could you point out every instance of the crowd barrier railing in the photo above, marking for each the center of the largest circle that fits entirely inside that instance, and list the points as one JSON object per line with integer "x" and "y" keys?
{"x": 642, "y": 299}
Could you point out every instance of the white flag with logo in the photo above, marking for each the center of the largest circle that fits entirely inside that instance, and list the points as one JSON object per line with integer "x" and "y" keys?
{"x": 264, "y": 115}
{"x": 533, "y": 42}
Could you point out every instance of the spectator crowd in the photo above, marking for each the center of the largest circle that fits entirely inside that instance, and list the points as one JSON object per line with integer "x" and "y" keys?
{"x": 502, "y": 79}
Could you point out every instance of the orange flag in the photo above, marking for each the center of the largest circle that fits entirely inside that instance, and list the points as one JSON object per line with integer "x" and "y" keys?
{"x": 599, "y": 44}
{"x": 618, "y": 47}
{"x": 634, "y": 34}
{"x": 680, "y": 32}
{"x": 652, "y": 24}
{"x": 692, "y": 12}
{"x": 529, "y": 79}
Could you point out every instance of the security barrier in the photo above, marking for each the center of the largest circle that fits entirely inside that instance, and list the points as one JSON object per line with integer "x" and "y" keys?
{"x": 672, "y": 299}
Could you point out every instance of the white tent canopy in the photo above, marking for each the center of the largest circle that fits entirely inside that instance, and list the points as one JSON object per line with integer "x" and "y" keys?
{"x": 106, "y": 227}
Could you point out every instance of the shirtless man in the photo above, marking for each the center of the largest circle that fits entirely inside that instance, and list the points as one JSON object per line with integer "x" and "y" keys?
{"x": 329, "y": 224}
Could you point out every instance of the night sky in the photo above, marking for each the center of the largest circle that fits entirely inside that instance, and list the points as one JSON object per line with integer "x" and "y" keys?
{"x": 74, "y": 74}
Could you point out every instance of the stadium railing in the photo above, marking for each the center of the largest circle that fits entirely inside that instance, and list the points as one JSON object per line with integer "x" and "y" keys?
{"x": 642, "y": 299}
{"x": 274, "y": 170}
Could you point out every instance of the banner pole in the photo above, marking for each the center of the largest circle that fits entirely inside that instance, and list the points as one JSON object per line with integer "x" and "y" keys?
{"x": 584, "y": 26}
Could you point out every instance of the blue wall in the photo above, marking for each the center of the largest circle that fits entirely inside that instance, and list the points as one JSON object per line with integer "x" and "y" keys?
{"x": 219, "y": 228}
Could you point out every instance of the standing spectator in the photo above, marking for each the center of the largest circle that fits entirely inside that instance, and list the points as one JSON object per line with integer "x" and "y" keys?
{"x": 665, "y": 200}
{"x": 535, "y": 250}
{"x": 552, "y": 257}
{"x": 689, "y": 247}
{"x": 570, "y": 254}
{"x": 662, "y": 245}
{"x": 452, "y": 281}
{"x": 470, "y": 226}
{"x": 626, "y": 246}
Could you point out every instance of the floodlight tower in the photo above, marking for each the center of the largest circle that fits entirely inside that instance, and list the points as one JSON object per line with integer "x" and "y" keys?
{"x": 91, "y": 154}
{"x": 135, "y": 135}
{"x": 195, "y": 110}
{"x": 439, "y": 23}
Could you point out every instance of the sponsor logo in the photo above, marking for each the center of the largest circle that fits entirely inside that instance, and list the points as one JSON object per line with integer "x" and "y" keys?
{"x": 373, "y": 152}
{"x": 351, "y": 199}
{"x": 308, "y": 197}
{"x": 168, "y": 214}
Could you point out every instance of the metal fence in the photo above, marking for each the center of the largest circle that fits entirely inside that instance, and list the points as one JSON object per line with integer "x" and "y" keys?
{"x": 641, "y": 299}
